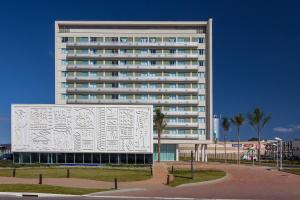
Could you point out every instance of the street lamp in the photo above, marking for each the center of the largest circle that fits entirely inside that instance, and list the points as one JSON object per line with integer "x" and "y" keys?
{"x": 279, "y": 141}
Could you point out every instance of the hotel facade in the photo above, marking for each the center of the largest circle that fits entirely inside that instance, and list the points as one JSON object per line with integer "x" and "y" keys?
{"x": 164, "y": 64}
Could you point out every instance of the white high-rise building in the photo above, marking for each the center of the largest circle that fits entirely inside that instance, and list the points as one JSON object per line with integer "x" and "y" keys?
{"x": 162, "y": 63}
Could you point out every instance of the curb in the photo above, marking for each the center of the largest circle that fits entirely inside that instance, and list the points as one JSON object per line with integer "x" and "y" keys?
{"x": 27, "y": 194}
{"x": 227, "y": 176}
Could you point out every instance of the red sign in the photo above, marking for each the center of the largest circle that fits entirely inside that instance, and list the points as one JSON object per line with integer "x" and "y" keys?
{"x": 248, "y": 145}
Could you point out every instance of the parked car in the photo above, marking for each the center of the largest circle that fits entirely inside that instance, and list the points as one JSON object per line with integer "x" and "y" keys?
{"x": 249, "y": 157}
{"x": 6, "y": 156}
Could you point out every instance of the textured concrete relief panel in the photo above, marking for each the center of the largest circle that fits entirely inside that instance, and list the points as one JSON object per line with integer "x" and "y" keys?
{"x": 81, "y": 128}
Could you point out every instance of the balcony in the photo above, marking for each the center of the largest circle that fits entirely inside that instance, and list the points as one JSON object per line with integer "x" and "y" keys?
{"x": 180, "y": 113}
{"x": 133, "y": 67}
{"x": 179, "y": 124}
{"x": 178, "y": 136}
{"x": 134, "y": 101}
{"x": 139, "y": 44}
{"x": 133, "y": 90}
{"x": 131, "y": 79}
{"x": 133, "y": 56}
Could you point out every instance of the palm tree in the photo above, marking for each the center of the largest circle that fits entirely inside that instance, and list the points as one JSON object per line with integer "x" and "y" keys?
{"x": 238, "y": 120}
{"x": 258, "y": 120}
{"x": 226, "y": 126}
{"x": 159, "y": 125}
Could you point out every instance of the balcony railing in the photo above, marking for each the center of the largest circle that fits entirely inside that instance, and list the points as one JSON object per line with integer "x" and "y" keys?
{"x": 133, "y": 79}
{"x": 151, "y": 44}
{"x": 133, "y": 67}
{"x": 134, "y": 101}
{"x": 132, "y": 90}
{"x": 133, "y": 55}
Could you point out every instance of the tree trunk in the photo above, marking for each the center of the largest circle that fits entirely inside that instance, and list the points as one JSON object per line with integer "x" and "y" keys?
{"x": 225, "y": 148}
{"x": 258, "y": 150}
{"x": 238, "y": 146}
{"x": 158, "y": 145}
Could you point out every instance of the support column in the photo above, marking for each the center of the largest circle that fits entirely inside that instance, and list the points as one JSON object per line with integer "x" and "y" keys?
{"x": 196, "y": 152}
{"x": 202, "y": 153}
{"x": 177, "y": 152}
{"x": 205, "y": 153}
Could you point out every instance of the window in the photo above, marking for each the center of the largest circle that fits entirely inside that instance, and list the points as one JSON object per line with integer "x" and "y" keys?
{"x": 123, "y": 97}
{"x": 173, "y": 131}
{"x": 152, "y": 51}
{"x": 201, "y": 40}
{"x": 152, "y": 40}
{"x": 181, "y": 51}
{"x": 93, "y": 39}
{"x": 93, "y": 85}
{"x": 172, "y": 97}
{"x": 201, "y": 120}
{"x": 181, "y": 85}
{"x": 144, "y": 97}
{"x": 124, "y": 40}
{"x": 201, "y": 63}
{"x": 201, "y": 98}
{"x": 114, "y": 62}
{"x": 181, "y": 132}
{"x": 153, "y": 62}
{"x": 151, "y": 74}
{"x": 64, "y": 39}
{"x": 93, "y": 74}
{"x": 172, "y": 120}
{"x": 201, "y": 51}
{"x": 172, "y": 62}
{"x": 114, "y": 51}
{"x": 114, "y": 85}
{"x": 83, "y": 96}
{"x": 144, "y": 51}
{"x": 64, "y": 74}
{"x": 114, "y": 39}
{"x": 144, "y": 85}
{"x": 64, "y": 97}
{"x": 144, "y": 62}
{"x": 172, "y": 108}
{"x": 180, "y": 62}
{"x": 123, "y": 62}
{"x": 143, "y": 40}
{"x": 115, "y": 96}
{"x": 82, "y": 39}
{"x": 93, "y": 96}
{"x": 123, "y": 51}
{"x": 152, "y": 85}
{"x": 64, "y": 62}
{"x": 152, "y": 97}
{"x": 172, "y": 39}
{"x": 201, "y": 131}
{"x": 181, "y": 97}
{"x": 172, "y": 74}
{"x": 172, "y": 51}
{"x": 172, "y": 85}
{"x": 181, "y": 120}
{"x": 201, "y": 74}
{"x": 201, "y": 109}
{"x": 114, "y": 73}
{"x": 64, "y": 85}
{"x": 201, "y": 86}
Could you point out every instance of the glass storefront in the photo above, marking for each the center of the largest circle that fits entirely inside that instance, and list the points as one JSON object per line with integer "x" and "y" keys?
{"x": 83, "y": 158}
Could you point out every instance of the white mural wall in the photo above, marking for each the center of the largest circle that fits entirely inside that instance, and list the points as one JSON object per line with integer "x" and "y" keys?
{"x": 82, "y": 128}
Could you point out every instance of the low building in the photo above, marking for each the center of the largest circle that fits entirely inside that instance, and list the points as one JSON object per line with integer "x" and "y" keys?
{"x": 82, "y": 134}
{"x": 246, "y": 148}
{"x": 5, "y": 148}
{"x": 296, "y": 148}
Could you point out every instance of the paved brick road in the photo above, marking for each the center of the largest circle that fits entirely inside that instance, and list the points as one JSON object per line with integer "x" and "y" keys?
{"x": 243, "y": 182}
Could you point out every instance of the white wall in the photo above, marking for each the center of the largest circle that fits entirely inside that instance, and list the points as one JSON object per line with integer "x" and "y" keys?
{"x": 82, "y": 128}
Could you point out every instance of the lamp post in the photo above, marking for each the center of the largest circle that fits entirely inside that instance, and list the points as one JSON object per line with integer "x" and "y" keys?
{"x": 279, "y": 143}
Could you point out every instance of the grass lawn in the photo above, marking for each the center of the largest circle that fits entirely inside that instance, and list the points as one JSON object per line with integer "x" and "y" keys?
{"x": 184, "y": 176}
{"x": 293, "y": 170}
{"x": 46, "y": 189}
{"x": 101, "y": 174}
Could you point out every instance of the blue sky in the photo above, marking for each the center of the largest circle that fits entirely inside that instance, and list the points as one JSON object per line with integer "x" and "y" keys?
{"x": 256, "y": 52}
